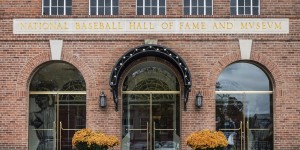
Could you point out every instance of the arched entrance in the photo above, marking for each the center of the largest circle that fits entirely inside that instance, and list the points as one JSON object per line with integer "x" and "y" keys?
{"x": 151, "y": 96}
{"x": 151, "y": 108}
{"x": 244, "y": 107}
{"x": 57, "y": 106}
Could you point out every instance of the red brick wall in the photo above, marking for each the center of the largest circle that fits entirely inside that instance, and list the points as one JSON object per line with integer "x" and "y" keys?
{"x": 95, "y": 55}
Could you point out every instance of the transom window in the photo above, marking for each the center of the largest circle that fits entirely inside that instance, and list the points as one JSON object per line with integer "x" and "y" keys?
{"x": 104, "y": 7}
{"x": 151, "y": 7}
{"x": 198, "y": 7}
{"x": 245, "y": 7}
{"x": 57, "y": 7}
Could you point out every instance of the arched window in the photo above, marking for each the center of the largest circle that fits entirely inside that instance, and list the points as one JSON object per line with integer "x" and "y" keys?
{"x": 244, "y": 106}
{"x": 56, "y": 106}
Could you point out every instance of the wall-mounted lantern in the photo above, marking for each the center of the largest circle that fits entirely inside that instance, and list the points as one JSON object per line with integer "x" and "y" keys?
{"x": 199, "y": 99}
{"x": 102, "y": 100}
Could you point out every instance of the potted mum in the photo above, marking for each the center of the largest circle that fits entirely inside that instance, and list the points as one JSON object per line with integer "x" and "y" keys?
{"x": 207, "y": 140}
{"x": 86, "y": 139}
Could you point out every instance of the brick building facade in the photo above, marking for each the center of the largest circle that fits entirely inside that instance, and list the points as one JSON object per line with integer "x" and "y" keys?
{"x": 205, "y": 55}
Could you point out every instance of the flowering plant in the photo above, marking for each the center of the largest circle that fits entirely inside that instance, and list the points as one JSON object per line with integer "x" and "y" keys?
{"x": 207, "y": 139}
{"x": 86, "y": 139}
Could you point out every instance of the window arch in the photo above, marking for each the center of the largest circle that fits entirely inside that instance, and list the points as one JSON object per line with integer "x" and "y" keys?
{"x": 244, "y": 106}
{"x": 56, "y": 106}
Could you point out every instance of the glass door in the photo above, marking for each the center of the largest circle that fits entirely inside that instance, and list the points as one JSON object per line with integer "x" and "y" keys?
{"x": 54, "y": 118}
{"x": 245, "y": 120}
{"x": 150, "y": 120}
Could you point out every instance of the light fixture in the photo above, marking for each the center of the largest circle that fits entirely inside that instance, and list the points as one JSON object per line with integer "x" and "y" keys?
{"x": 199, "y": 99}
{"x": 102, "y": 100}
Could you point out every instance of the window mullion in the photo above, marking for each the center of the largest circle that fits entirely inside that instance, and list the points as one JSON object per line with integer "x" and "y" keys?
{"x": 143, "y": 6}
{"x": 97, "y": 7}
{"x": 65, "y": 7}
{"x": 237, "y": 7}
{"x": 251, "y": 7}
{"x": 190, "y": 7}
{"x": 50, "y": 7}
{"x": 111, "y": 7}
{"x": 204, "y": 6}
{"x": 157, "y": 4}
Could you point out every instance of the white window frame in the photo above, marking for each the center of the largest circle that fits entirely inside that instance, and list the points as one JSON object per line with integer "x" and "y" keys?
{"x": 251, "y": 7}
{"x": 97, "y": 7}
{"x": 50, "y": 7}
{"x": 204, "y": 6}
{"x": 157, "y": 6}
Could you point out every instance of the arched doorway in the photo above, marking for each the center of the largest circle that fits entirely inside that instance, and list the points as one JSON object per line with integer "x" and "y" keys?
{"x": 151, "y": 108}
{"x": 57, "y": 106}
{"x": 151, "y": 96}
{"x": 244, "y": 107}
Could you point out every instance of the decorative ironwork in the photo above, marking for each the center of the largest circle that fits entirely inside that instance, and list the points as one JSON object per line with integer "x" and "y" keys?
{"x": 150, "y": 50}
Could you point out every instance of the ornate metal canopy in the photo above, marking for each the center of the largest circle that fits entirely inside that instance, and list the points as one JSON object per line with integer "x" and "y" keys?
{"x": 150, "y": 50}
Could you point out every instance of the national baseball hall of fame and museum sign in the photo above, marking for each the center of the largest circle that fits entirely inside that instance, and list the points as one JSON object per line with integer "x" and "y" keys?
{"x": 150, "y": 75}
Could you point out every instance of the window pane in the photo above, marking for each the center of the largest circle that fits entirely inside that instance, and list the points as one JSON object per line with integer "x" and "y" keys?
{"x": 154, "y": 3}
{"x": 162, "y": 3}
{"x": 115, "y": 2}
{"x": 60, "y": 2}
{"x": 101, "y": 11}
{"x": 147, "y": 2}
{"x": 248, "y": 10}
{"x": 201, "y": 11}
{"x": 241, "y": 2}
{"x": 139, "y": 10}
{"x": 194, "y": 2}
{"x": 209, "y": 11}
{"x": 241, "y": 10}
{"x": 200, "y": 2}
{"x": 232, "y": 2}
{"x": 248, "y": 3}
{"x": 255, "y": 2}
{"x": 139, "y": 2}
{"x": 186, "y": 10}
{"x": 232, "y": 10}
{"x": 147, "y": 11}
{"x": 154, "y": 11}
{"x": 68, "y": 10}
{"x": 107, "y": 10}
{"x": 54, "y": 3}
{"x": 107, "y": 3}
{"x": 162, "y": 10}
{"x": 208, "y": 2}
{"x": 186, "y": 3}
{"x": 46, "y": 11}
{"x": 53, "y": 10}
{"x": 93, "y": 3}
{"x": 115, "y": 10}
{"x": 194, "y": 10}
{"x": 100, "y": 2}
{"x": 255, "y": 11}
{"x": 46, "y": 2}
{"x": 60, "y": 10}
{"x": 93, "y": 11}
{"x": 68, "y": 2}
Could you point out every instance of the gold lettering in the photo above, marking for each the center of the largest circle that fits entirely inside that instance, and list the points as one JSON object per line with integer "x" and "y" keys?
{"x": 52, "y": 25}
{"x": 77, "y": 25}
{"x": 223, "y": 25}
{"x": 101, "y": 25}
{"x": 107, "y": 26}
{"x": 151, "y": 25}
{"x": 65, "y": 26}
{"x": 264, "y": 25}
{"x": 119, "y": 26}
{"x": 244, "y": 25}
{"x": 203, "y": 25}
{"x": 181, "y": 25}
{"x": 45, "y": 26}
{"x": 278, "y": 25}
{"x": 164, "y": 25}
{"x": 132, "y": 25}
{"x": 95, "y": 25}
{"x": 84, "y": 26}
{"x": 23, "y": 25}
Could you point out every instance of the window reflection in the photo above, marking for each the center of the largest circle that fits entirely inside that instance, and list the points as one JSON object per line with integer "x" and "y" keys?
{"x": 238, "y": 111}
